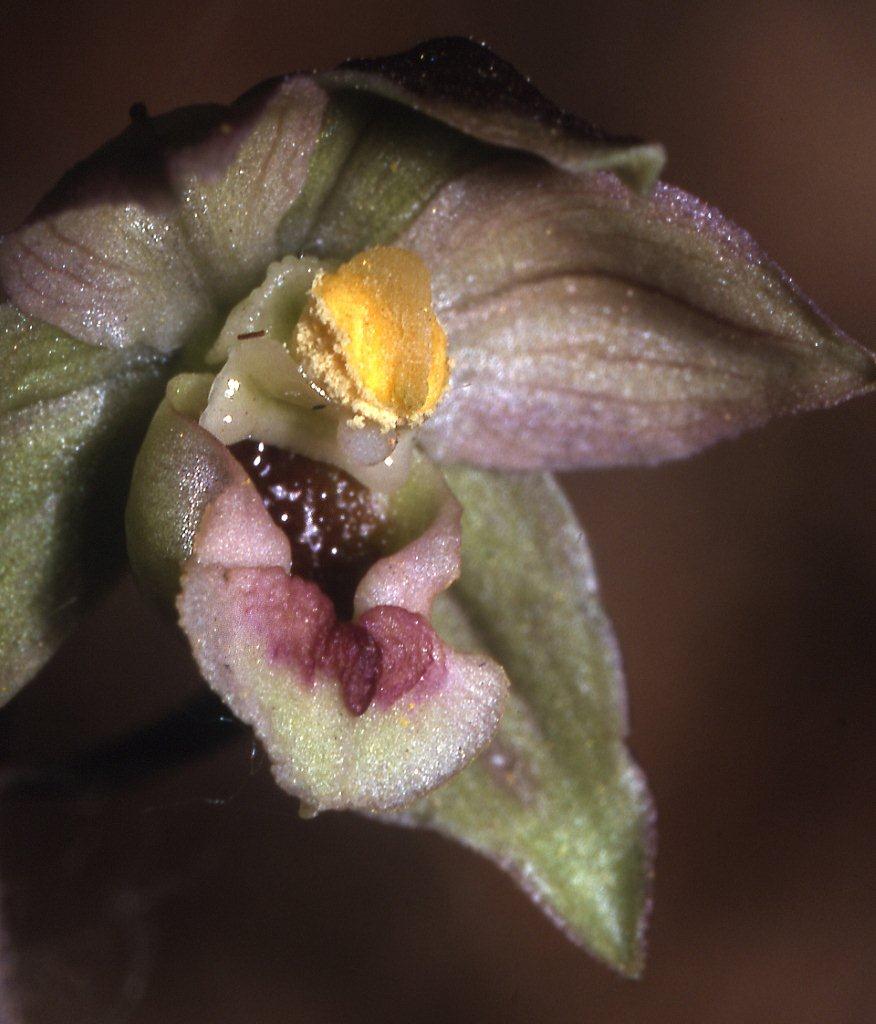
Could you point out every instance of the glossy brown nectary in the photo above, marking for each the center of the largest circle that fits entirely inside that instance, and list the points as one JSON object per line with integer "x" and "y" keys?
{"x": 333, "y": 523}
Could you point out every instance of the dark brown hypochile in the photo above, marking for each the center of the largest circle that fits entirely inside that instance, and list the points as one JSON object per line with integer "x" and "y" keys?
{"x": 332, "y": 521}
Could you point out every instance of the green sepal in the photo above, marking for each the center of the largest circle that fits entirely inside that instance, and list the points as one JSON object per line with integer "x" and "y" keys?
{"x": 471, "y": 89}
{"x": 71, "y": 416}
{"x": 556, "y": 800}
{"x": 375, "y": 165}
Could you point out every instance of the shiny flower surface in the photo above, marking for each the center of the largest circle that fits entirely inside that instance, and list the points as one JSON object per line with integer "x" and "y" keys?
{"x": 380, "y": 304}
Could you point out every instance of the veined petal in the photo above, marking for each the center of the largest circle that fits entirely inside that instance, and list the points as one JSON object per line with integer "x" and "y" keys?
{"x": 145, "y": 240}
{"x": 470, "y": 88}
{"x": 589, "y": 325}
{"x": 555, "y": 799}
{"x": 238, "y": 184}
{"x": 114, "y": 272}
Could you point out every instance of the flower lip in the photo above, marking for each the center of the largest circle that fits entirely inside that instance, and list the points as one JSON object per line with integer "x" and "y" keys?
{"x": 369, "y": 713}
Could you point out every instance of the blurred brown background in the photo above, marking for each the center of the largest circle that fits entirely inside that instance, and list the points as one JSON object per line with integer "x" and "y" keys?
{"x": 740, "y": 585}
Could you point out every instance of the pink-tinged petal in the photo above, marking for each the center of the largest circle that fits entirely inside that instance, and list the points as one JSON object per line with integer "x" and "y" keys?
{"x": 144, "y": 240}
{"x": 236, "y": 187}
{"x": 590, "y": 325}
{"x": 114, "y": 273}
{"x": 467, "y": 86}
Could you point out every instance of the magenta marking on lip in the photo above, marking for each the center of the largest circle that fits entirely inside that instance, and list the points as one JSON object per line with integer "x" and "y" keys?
{"x": 388, "y": 653}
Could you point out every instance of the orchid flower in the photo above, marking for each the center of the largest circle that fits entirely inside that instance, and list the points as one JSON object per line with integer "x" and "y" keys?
{"x": 367, "y": 312}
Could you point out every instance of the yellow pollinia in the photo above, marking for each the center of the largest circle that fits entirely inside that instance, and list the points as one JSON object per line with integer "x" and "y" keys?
{"x": 370, "y": 340}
